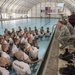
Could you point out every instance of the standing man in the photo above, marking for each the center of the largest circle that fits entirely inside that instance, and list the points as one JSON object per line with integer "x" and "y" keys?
{"x": 64, "y": 35}
{"x": 72, "y": 19}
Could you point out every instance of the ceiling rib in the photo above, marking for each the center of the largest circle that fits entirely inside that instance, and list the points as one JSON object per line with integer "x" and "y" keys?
{"x": 24, "y": 5}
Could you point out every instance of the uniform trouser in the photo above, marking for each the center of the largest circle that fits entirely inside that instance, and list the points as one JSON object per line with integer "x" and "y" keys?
{"x": 63, "y": 41}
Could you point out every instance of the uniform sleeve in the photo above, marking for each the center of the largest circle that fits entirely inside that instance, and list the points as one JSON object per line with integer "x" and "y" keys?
{"x": 23, "y": 40}
{"x": 25, "y": 56}
{"x": 28, "y": 70}
{"x": 14, "y": 49}
{"x": 5, "y": 42}
{"x": 65, "y": 33}
{"x": 70, "y": 28}
{"x": 32, "y": 36}
{"x": 4, "y": 71}
{"x": 5, "y": 55}
{"x": 28, "y": 45}
{"x": 35, "y": 49}
{"x": 11, "y": 41}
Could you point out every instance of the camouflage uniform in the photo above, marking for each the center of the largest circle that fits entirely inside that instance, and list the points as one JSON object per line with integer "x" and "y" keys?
{"x": 70, "y": 27}
{"x": 64, "y": 36}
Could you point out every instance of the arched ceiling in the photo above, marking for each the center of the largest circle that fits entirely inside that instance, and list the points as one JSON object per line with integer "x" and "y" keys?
{"x": 22, "y": 6}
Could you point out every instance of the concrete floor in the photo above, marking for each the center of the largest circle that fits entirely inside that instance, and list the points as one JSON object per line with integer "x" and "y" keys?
{"x": 51, "y": 67}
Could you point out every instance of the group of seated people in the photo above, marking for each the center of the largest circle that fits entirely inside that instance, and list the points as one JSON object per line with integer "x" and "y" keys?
{"x": 20, "y": 48}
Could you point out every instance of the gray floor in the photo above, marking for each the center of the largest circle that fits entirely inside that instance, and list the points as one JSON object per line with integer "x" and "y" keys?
{"x": 51, "y": 67}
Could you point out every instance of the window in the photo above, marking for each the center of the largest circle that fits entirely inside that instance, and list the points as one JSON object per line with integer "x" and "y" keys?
{"x": 60, "y": 5}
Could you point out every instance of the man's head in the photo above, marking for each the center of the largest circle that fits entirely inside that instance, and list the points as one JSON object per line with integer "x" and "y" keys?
{"x": 16, "y": 41}
{"x": 28, "y": 35}
{"x": 60, "y": 23}
{"x": 25, "y": 47}
{"x": 12, "y": 34}
{"x": 42, "y": 27}
{"x": 6, "y": 32}
{"x": 24, "y": 35}
{"x": 35, "y": 43}
{"x": 13, "y": 30}
{"x": 6, "y": 37}
{"x": 3, "y": 61}
{"x": 25, "y": 30}
{"x": 29, "y": 28}
{"x": 19, "y": 33}
{"x": 20, "y": 55}
{"x": 30, "y": 40}
{"x": 2, "y": 40}
{"x": 35, "y": 27}
{"x": 5, "y": 47}
{"x": 48, "y": 28}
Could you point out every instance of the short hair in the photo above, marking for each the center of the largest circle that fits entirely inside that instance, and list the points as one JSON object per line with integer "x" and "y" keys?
{"x": 4, "y": 45}
{"x": 24, "y": 33}
{"x": 15, "y": 40}
{"x": 61, "y": 22}
{"x": 19, "y": 55}
{"x": 2, "y": 60}
{"x": 29, "y": 39}
{"x": 0, "y": 39}
{"x": 35, "y": 41}
{"x": 6, "y": 35}
{"x": 18, "y": 32}
{"x": 24, "y": 46}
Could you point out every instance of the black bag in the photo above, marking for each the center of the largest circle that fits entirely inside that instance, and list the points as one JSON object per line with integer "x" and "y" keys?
{"x": 67, "y": 56}
{"x": 69, "y": 70}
